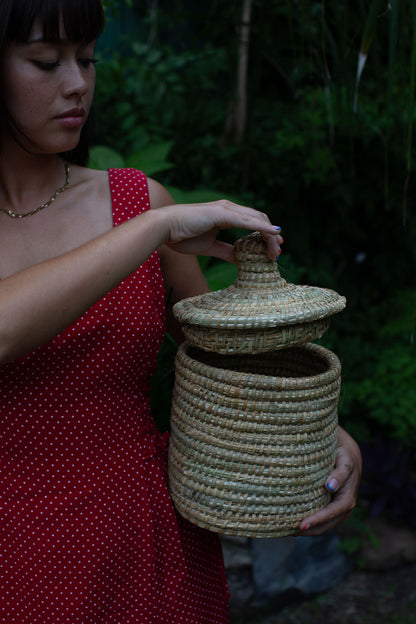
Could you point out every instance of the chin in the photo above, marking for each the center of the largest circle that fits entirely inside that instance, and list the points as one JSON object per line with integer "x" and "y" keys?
{"x": 63, "y": 146}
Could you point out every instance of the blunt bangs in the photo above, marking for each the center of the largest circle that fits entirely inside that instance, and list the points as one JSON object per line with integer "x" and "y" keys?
{"x": 83, "y": 20}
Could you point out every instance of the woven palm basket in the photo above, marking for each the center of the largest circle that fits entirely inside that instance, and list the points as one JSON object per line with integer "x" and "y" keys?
{"x": 254, "y": 412}
{"x": 253, "y": 439}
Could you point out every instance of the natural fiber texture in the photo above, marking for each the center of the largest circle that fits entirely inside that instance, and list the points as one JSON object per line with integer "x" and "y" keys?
{"x": 260, "y": 311}
{"x": 253, "y": 438}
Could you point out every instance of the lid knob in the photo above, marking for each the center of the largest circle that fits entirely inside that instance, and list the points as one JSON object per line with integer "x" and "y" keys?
{"x": 254, "y": 269}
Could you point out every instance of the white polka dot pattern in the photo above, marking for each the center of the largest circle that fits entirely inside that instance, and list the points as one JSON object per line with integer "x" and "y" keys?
{"x": 88, "y": 533}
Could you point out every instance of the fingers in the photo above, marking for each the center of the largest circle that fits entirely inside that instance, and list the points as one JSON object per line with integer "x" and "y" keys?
{"x": 340, "y": 476}
{"x": 260, "y": 222}
{"x": 193, "y": 228}
{"x": 348, "y": 466}
{"x": 343, "y": 484}
{"x": 248, "y": 218}
{"x": 222, "y": 250}
{"x": 252, "y": 219}
{"x": 273, "y": 245}
{"x": 338, "y": 510}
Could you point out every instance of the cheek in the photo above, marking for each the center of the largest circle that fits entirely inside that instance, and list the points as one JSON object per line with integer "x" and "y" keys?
{"x": 16, "y": 88}
{"x": 25, "y": 95}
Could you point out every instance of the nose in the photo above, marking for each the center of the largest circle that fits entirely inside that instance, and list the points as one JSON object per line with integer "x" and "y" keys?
{"x": 76, "y": 81}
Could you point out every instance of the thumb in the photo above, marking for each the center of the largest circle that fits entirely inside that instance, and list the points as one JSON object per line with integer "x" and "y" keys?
{"x": 222, "y": 250}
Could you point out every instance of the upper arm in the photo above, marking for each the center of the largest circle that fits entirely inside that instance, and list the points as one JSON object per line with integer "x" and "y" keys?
{"x": 181, "y": 272}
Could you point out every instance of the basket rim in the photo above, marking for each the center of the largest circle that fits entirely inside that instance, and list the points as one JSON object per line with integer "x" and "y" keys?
{"x": 258, "y": 380}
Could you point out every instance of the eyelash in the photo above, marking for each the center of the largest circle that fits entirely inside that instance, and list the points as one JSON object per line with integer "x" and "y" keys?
{"x": 85, "y": 62}
{"x": 88, "y": 61}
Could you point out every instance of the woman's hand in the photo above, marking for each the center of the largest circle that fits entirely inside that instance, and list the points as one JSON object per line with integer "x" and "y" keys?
{"x": 193, "y": 228}
{"x": 343, "y": 482}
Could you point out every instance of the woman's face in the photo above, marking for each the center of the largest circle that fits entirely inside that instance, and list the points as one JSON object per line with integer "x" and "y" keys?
{"x": 48, "y": 90}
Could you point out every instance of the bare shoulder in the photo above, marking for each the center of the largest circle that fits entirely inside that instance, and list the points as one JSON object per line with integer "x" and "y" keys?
{"x": 94, "y": 179}
{"x": 158, "y": 195}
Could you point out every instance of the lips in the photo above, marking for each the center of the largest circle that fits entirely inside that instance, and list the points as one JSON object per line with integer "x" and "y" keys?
{"x": 72, "y": 112}
{"x": 72, "y": 118}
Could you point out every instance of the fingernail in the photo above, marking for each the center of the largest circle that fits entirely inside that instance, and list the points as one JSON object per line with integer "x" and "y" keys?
{"x": 278, "y": 228}
{"x": 283, "y": 240}
{"x": 306, "y": 526}
{"x": 332, "y": 485}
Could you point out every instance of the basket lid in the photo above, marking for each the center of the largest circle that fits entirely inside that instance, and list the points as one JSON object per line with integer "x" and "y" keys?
{"x": 260, "y": 300}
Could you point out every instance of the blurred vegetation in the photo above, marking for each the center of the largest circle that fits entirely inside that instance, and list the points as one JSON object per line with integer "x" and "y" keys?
{"x": 304, "y": 109}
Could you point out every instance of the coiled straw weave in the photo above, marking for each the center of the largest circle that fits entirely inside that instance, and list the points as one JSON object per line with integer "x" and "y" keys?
{"x": 260, "y": 311}
{"x": 253, "y": 438}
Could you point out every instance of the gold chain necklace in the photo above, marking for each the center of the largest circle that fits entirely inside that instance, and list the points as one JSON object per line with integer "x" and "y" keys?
{"x": 15, "y": 215}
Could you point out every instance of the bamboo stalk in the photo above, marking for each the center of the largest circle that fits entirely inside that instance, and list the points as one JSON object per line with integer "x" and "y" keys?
{"x": 368, "y": 34}
{"x": 243, "y": 56}
{"x": 327, "y": 77}
{"x": 393, "y": 38}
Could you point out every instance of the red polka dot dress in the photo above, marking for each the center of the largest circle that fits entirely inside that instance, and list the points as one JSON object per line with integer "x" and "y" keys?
{"x": 88, "y": 533}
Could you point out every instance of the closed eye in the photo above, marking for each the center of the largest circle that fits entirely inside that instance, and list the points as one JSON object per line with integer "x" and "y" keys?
{"x": 47, "y": 66}
{"x": 87, "y": 62}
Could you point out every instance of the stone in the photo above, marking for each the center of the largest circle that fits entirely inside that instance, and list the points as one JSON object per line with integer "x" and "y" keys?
{"x": 289, "y": 567}
{"x": 236, "y": 551}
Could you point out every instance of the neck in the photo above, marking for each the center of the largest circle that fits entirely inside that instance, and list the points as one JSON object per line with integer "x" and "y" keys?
{"x": 28, "y": 180}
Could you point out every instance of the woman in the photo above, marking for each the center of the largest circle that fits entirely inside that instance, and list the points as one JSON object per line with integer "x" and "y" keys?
{"x": 88, "y": 532}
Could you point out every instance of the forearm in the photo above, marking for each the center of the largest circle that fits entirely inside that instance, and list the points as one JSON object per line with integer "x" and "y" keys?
{"x": 37, "y": 303}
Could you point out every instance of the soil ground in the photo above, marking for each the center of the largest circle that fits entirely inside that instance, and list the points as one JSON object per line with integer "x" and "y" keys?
{"x": 362, "y": 598}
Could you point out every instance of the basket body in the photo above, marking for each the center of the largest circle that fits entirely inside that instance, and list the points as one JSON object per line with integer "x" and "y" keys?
{"x": 253, "y": 438}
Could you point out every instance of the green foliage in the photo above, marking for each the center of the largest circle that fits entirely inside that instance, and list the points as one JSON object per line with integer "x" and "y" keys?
{"x": 141, "y": 95}
{"x": 387, "y": 393}
{"x": 357, "y": 533}
{"x": 220, "y": 275}
{"x": 102, "y": 158}
{"x": 338, "y": 182}
{"x": 151, "y": 159}
{"x": 112, "y": 8}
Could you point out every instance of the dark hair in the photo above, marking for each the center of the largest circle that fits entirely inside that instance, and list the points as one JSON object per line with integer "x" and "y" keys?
{"x": 83, "y": 21}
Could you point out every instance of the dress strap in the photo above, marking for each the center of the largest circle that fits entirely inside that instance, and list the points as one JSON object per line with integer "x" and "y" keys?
{"x": 129, "y": 193}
